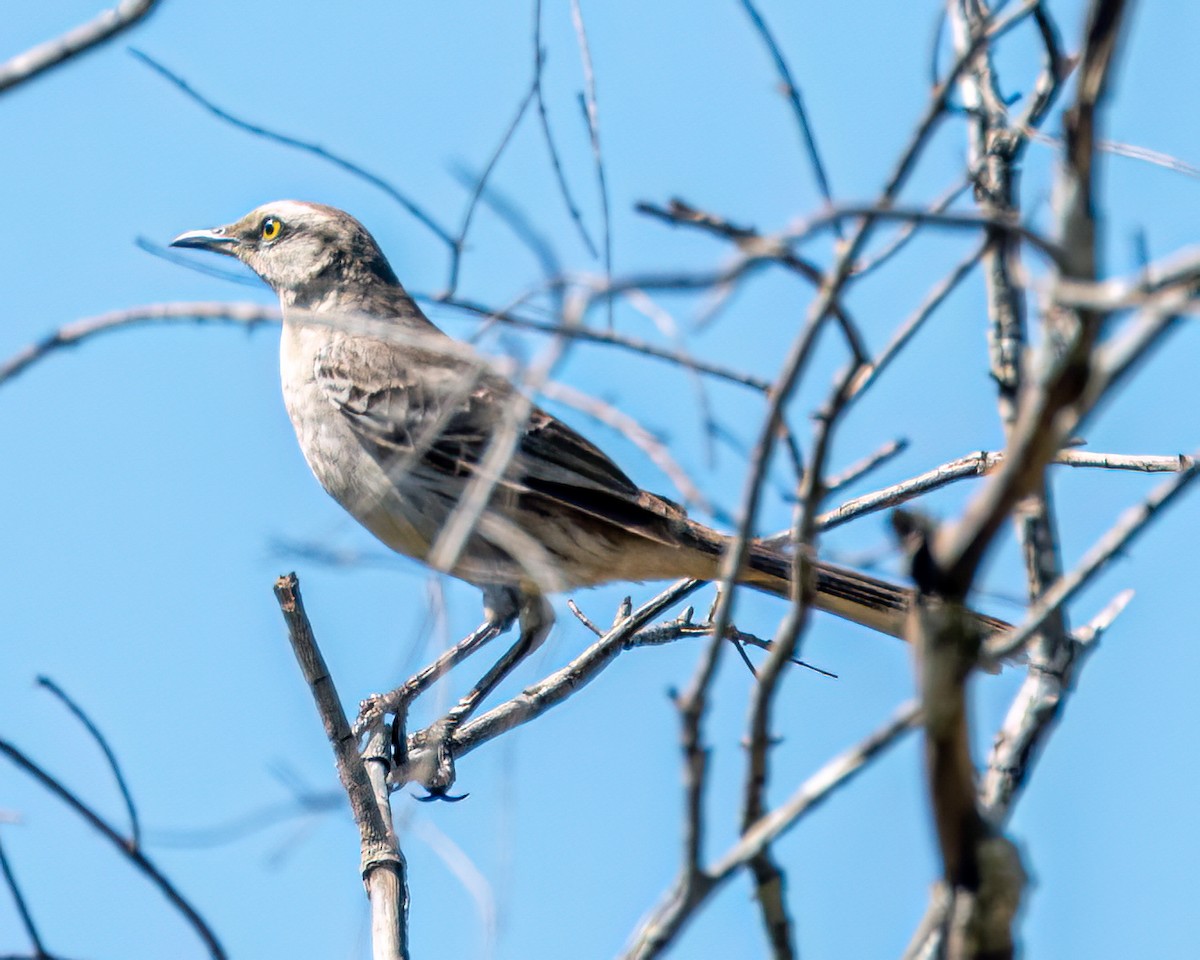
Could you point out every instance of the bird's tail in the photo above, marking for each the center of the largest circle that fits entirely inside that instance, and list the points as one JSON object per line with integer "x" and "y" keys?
{"x": 854, "y": 596}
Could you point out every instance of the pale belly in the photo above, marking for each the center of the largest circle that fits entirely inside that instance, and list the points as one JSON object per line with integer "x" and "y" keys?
{"x": 335, "y": 456}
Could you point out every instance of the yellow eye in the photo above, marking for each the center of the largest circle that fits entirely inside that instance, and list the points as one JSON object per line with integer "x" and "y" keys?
{"x": 270, "y": 228}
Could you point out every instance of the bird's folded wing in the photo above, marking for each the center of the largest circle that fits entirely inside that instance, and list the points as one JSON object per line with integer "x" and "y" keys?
{"x": 441, "y": 415}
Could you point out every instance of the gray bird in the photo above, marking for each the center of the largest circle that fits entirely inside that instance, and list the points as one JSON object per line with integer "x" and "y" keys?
{"x": 396, "y": 420}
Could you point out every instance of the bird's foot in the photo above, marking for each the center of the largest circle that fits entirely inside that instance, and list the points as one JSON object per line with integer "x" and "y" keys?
{"x": 372, "y": 710}
{"x": 440, "y": 778}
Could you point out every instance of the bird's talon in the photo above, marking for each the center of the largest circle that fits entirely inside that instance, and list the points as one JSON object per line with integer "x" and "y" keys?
{"x": 440, "y": 794}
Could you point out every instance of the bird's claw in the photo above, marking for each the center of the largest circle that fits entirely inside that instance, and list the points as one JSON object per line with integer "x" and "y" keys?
{"x": 439, "y": 793}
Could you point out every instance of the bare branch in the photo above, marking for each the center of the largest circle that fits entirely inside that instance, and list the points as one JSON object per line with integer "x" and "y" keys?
{"x": 306, "y": 146}
{"x": 658, "y": 930}
{"x": 135, "y": 829}
{"x": 31, "y": 930}
{"x": 25, "y": 66}
{"x": 637, "y": 434}
{"x": 885, "y": 211}
{"x": 1034, "y": 709}
{"x": 383, "y": 866}
{"x": 1131, "y": 524}
{"x": 480, "y": 186}
{"x": 982, "y": 463}
{"x": 759, "y": 247}
{"x": 539, "y": 65}
{"x": 241, "y": 314}
{"x": 792, "y": 92}
{"x": 135, "y": 856}
{"x": 591, "y": 116}
{"x": 1055, "y": 70}
{"x": 981, "y": 868}
{"x": 554, "y": 689}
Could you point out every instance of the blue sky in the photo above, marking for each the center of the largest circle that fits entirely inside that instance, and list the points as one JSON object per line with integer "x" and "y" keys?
{"x": 150, "y": 476}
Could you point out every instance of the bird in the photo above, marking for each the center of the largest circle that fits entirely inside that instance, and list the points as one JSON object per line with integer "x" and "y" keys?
{"x": 396, "y": 420}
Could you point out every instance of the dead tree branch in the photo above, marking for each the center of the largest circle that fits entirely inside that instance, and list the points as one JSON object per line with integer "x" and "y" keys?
{"x": 123, "y": 844}
{"x": 37, "y": 60}
{"x": 383, "y": 866}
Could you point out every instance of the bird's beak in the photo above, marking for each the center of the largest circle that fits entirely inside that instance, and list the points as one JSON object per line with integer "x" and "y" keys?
{"x": 216, "y": 240}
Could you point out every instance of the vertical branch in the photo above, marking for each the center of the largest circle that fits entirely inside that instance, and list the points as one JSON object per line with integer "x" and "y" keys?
{"x": 591, "y": 115}
{"x": 31, "y": 930}
{"x": 1045, "y": 412}
{"x": 539, "y": 66}
{"x": 995, "y": 147}
{"x": 383, "y": 866}
{"x": 481, "y": 185}
{"x": 990, "y": 151}
{"x": 769, "y": 879}
{"x": 792, "y": 92}
{"x": 981, "y": 869}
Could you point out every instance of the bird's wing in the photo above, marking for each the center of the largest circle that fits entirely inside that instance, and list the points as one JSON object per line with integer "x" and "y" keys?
{"x": 442, "y": 413}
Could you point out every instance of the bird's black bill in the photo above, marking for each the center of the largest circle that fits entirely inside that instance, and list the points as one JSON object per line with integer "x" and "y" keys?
{"x": 215, "y": 240}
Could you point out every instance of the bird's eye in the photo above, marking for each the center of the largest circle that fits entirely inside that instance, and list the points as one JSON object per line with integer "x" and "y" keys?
{"x": 270, "y": 228}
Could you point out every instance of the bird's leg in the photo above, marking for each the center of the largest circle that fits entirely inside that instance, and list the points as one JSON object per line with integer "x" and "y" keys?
{"x": 537, "y": 617}
{"x": 500, "y": 606}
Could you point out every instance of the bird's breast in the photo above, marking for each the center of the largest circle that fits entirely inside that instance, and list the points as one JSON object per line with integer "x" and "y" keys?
{"x": 333, "y": 452}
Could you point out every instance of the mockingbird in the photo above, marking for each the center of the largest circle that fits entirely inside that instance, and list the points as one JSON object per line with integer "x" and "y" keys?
{"x": 444, "y": 460}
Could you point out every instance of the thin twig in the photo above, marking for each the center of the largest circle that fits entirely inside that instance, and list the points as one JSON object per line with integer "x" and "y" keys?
{"x": 135, "y": 829}
{"x": 1131, "y": 151}
{"x": 633, "y": 431}
{"x": 306, "y": 146}
{"x": 908, "y": 231}
{"x": 539, "y": 66}
{"x": 480, "y": 186}
{"x": 860, "y": 468}
{"x": 31, "y": 930}
{"x": 1001, "y": 223}
{"x": 1130, "y": 525}
{"x": 515, "y": 219}
{"x": 659, "y": 929}
{"x": 122, "y": 843}
{"x": 1031, "y": 718}
{"x": 758, "y": 247}
{"x": 612, "y": 338}
{"x": 591, "y": 116}
{"x": 792, "y": 92}
{"x": 916, "y": 320}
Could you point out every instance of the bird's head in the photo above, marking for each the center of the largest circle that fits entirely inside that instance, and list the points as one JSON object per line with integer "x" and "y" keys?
{"x": 303, "y": 250}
